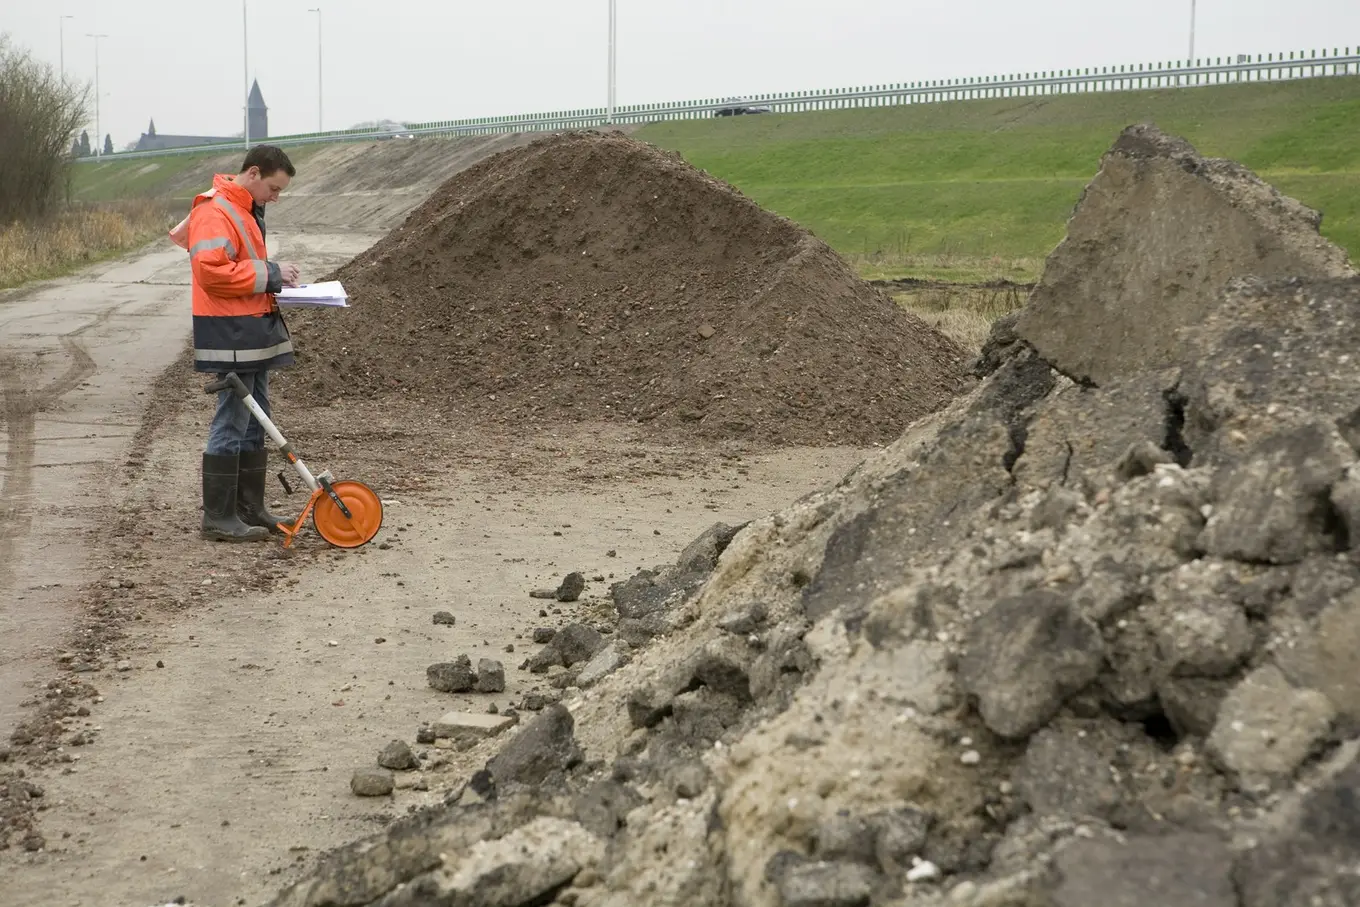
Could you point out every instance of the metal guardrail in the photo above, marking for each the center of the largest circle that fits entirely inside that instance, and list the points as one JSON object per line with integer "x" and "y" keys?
{"x": 1133, "y": 77}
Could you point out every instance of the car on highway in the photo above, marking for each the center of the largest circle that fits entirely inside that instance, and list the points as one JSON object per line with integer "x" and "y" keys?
{"x": 734, "y": 107}
{"x": 391, "y": 129}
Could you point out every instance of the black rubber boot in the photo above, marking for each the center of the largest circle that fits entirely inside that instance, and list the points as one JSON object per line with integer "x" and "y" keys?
{"x": 250, "y": 505}
{"x": 220, "y": 522}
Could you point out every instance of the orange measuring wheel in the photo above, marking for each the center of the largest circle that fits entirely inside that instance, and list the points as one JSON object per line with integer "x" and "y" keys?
{"x": 355, "y": 530}
{"x": 345, "y": 514}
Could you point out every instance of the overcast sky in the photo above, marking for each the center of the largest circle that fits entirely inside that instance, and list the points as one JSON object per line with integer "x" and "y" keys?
{"x": 417, "y": 60}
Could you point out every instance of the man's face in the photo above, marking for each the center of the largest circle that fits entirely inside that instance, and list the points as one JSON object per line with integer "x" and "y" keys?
{"x": 265, "y": 189}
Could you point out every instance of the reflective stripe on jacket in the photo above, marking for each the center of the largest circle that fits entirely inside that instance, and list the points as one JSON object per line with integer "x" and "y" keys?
{"x": 237, "y": 324}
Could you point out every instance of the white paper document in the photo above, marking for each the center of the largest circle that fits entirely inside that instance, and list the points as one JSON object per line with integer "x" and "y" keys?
{"x": 328, "y": 294}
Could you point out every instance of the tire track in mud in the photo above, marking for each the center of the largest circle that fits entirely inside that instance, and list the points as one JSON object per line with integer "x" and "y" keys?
{"x": 20, "y": 408}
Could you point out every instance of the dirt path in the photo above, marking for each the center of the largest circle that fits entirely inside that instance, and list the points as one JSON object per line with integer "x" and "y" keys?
{"x": 221, "y": 774}
{"x": 240, "y": 688}
{"x": 75, "y": 358}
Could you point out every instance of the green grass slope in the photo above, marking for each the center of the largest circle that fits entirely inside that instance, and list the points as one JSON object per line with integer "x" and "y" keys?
{"x": 981, "y": 189}
{"x": 171, "y": 177}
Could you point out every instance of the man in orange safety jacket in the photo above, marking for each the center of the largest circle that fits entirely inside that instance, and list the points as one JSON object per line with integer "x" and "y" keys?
{"x": 238, "y": 327}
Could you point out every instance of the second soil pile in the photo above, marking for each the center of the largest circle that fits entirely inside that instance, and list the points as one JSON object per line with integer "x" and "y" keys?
{"x": 593, "y": 277}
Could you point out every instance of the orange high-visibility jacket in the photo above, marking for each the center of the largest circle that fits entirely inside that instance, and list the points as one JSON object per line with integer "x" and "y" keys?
{"x": 237, "y": 324}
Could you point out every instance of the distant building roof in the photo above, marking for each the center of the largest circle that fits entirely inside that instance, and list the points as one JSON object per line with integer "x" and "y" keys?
{"x": 150, "y": 142}
{"x": 256, "y": 100}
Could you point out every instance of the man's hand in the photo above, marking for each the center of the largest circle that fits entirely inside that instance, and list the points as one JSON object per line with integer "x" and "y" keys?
{"x": 290, "y": 273}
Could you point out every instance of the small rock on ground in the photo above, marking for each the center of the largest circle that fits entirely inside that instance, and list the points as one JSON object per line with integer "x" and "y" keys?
{"x": 490, "y": 676}
{"x": 571, "y": 588}
{"x": 452, "y": 677}
{"x": 370, "y": 782}
{"x": 398, "y": 757}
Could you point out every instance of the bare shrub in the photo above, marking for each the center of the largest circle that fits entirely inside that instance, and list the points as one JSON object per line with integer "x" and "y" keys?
{"x": 39, "y": 117}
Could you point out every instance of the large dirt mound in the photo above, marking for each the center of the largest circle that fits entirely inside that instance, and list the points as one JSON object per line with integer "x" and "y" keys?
{"x": 590, "y": 277}
{"x": 1063, "y": 645}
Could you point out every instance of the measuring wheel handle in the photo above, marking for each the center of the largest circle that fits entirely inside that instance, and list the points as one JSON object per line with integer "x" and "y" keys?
{"x": 330, "y": 491}
{"x": 232, "y": 382}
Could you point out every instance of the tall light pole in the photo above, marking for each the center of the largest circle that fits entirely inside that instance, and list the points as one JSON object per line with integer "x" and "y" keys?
{"x": 98, "y": 125}
{"x": 613, "y": 57}
{"x": 1192, "y": 32}
{"x": 245, "y": 70}
{"x": 61, "y": 33}
{"x": 320, "y": 111}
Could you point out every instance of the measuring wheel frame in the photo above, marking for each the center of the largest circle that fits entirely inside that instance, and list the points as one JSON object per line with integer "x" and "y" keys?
{"x": 346, "y": 514}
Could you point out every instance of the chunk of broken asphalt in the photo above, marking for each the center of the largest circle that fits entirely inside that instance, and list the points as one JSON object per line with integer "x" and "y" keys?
{"x": 571, "y": 588}
{"x": 444, "y": 619}
{"x": 1025, "y": 656}
{"x": 573, "y": 643}
{"x": 546, "y": 745}
{"x": 490, "y": 676}
{"x": 452, "y": 677}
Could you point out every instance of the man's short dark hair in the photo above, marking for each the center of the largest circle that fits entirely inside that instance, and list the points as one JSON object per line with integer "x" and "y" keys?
{"x": 270, "y": 159}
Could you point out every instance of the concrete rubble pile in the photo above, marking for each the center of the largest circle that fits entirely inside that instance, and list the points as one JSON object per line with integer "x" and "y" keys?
{"x": 1090, "y": 636}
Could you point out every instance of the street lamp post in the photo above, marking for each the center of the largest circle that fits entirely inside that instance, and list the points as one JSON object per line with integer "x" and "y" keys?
{"x": 613, "y": 59}
{"x": 98, "y": 124}
{"x": 61, "y": 33}
{"x": 320, "y": 110}
{"x": 245, "y": 70}
{"x": 1192, "y": 32}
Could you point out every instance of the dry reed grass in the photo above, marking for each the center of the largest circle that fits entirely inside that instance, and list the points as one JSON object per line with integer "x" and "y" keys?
{"x": 77, "y": 236}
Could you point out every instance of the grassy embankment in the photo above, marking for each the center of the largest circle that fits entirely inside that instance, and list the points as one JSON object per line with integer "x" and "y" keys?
{"x": 980, "y": 191}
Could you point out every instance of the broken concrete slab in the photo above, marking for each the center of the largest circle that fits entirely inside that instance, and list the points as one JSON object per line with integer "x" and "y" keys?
{"x": 1273, "y": 506}
{"x": 1177, "y": 870}
{"x": 1270, "y": 351}
{"x": 1150, "y": 248}
{"x": 1025, "y": 657}
{"x": 523, "y": 867}
{"x": 472, "y": 726}
{"x": 1266, "y": 728}
{"x": 605, "y": 662}
{"x": 1063, "y": 773}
